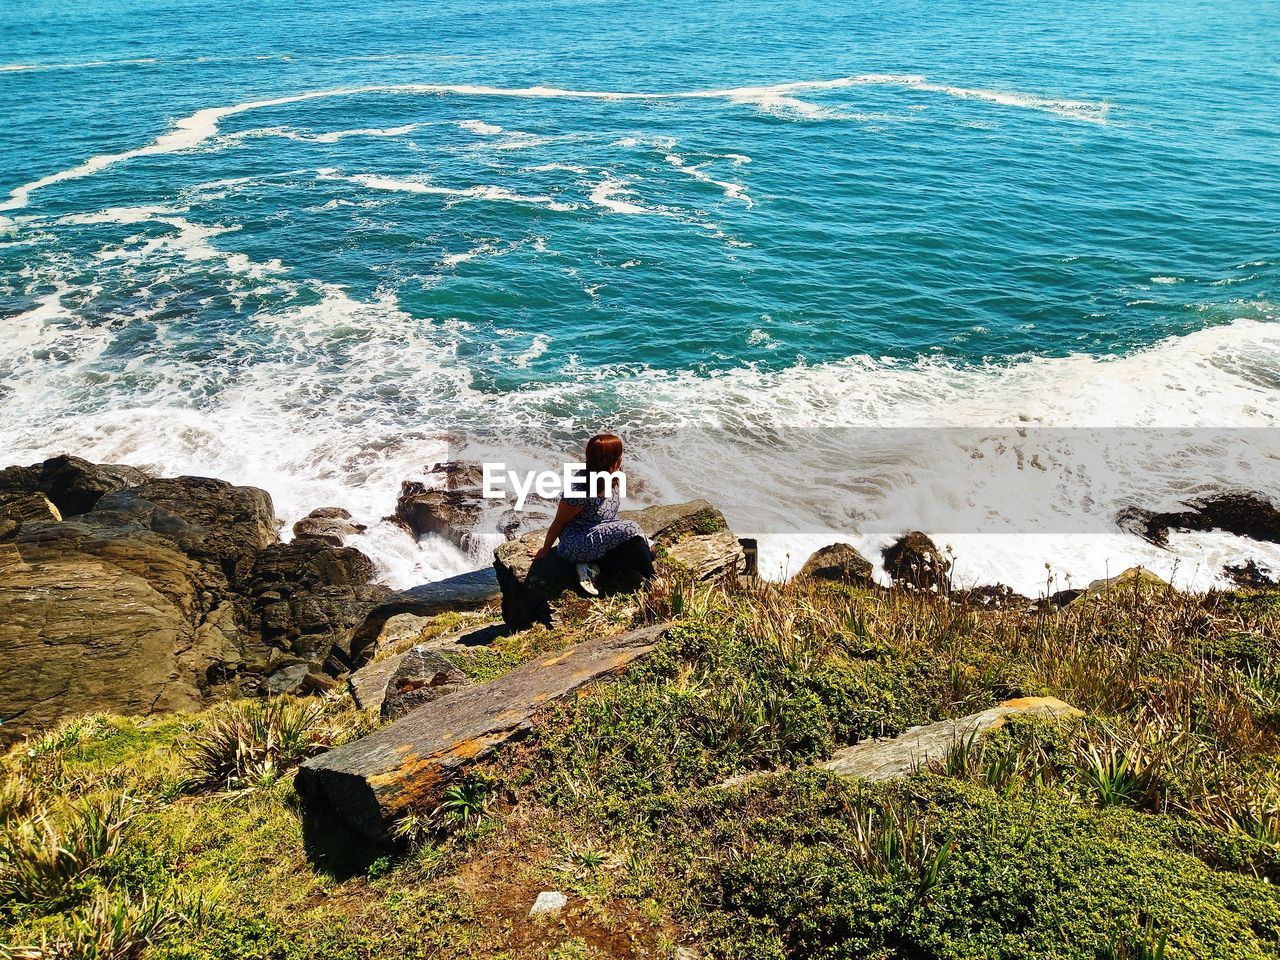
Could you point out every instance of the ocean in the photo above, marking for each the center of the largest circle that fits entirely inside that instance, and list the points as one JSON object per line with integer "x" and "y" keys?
{"x": 842, "y": 269}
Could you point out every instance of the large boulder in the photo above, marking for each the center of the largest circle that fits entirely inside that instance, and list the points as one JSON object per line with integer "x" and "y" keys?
{"x": 694, "y": 535}
{"x": 330, "y": 525}
{"x": 399, "y": 682}
{"x": 405, "y": 765}
{"x": 919, "y": 746}
{"x": 839, "y": 563}
{"x": 421, "y": 676}
{"x": 28, "y": 508}
{"x": 452, "y": 514}
{"x": 211, "y": 520}
{"x": 99, "y": 614}
{"x": 466, "y": 591}
{"x": 1133, "y": 580}
{"x": 73, "y": 485}
{"x": 914, "y": 561}
{"x": 308, "y": 597}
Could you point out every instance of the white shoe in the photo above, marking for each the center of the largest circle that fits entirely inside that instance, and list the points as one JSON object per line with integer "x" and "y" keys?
{"x": 587, "y": 573}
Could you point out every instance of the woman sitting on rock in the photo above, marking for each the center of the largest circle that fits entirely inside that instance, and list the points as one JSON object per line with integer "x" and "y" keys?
{"x": 590, "y": 533}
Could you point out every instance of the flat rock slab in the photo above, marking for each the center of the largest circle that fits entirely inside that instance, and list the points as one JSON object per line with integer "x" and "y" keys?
{"x": 467, "y": 591}
{"x": 901, "y": 755}
{"x": 368, "y": 685}
{"x": 372, "y": 781}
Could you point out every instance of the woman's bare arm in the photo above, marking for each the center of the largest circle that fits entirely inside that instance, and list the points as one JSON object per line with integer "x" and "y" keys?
{"x": 564, "y": 513}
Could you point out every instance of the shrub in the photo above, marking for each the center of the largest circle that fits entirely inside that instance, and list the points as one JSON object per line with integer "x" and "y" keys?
{"x": 794, "y": 866}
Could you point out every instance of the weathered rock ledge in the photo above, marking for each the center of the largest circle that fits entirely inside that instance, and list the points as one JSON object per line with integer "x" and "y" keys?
{"x": 372, "y": 781}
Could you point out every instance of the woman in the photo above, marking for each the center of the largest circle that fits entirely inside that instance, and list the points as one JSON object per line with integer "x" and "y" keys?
{"x": 588, "y": 528}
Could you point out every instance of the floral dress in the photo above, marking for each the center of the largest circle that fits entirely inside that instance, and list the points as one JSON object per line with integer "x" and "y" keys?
{"x": 594, "y": 531}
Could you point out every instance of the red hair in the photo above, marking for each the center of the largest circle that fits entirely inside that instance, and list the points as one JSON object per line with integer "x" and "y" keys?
{"x": 603, "y": 451}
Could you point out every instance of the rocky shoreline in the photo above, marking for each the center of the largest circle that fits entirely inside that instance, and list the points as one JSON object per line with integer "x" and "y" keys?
{"x": 129, "y": 593}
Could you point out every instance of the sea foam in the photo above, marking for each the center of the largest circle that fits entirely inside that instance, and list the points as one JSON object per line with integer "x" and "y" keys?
{"x": 191, "y": 131}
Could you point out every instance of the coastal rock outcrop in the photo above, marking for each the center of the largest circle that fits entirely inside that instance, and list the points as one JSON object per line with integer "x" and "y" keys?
{"x": 451, "y": 504}
{"x": 1251, "y": 575}
{"x": 839, "y": 563}
{"x": 693, "y": 534}
{"x": 421, "y": 675}
{"x": 1244, "y": 514}
{"x": 124, "y": 592}
{"x": 467, "y": 591}
{"x": 396, "y": 684}
{"x": 308, "y": 597}
{"x": 23, "y": 508}
{"x": 914, "y": 561}
{"x": 918, "y": 746}
{"x": 1134, "y": 579}
{"x": 993, "y": 596}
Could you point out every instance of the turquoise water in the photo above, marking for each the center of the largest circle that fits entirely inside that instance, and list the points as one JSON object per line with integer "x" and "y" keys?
{"x": 306, "y": 245}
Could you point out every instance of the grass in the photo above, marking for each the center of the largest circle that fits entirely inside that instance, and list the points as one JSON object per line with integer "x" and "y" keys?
{"x": 1149, "y": 828}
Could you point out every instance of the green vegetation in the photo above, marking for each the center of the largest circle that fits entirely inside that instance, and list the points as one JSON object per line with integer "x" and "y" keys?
{"x": 678, "y": 805}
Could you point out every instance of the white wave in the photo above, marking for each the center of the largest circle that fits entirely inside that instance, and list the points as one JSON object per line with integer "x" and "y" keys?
{"x": 191, "y": 240}
{"x": 477, "y": 192}
{"x": 654, "y": 142}
{"x": 346, "y": 399}
{"x": 557, "y": 168}
{"x": 331, "y": 136}
{"x": 1087, "y": 111}
{"x": 480, "y": 127}
{"x": 190, "y": 131}
{"x": 1218, "y": 378}
{"x": 732, "y": 191}
{"x": 330, "y": 412}
{"x": 88, "y": 64}
{"x": 607, "y": 194}
{"x": 1166, "y": 280}
{"x": 536, "y": 349}
{"x": 334, "y": 136}
{"x": 483, "y": 250}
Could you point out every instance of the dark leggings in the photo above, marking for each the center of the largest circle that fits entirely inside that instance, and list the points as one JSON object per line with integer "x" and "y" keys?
{"x": 627, "y": 559}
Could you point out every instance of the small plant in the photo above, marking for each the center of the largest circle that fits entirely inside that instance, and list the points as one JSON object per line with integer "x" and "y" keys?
{"x": 581, "y": 861}
{"x": 251, "y": 744}
{"x": 412, "y": 829}
{"x": 465, "y": 804}
{"x": 894, "y": 841}
{"x": 1147, "y": 945}
{"x": 19, "y": 796}
{"x": 1116, "y": 773}
{"x": 42, "y": 860}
